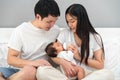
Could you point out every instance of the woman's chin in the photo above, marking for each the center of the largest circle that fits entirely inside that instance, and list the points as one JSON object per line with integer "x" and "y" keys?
{"x": 73, "y": 31}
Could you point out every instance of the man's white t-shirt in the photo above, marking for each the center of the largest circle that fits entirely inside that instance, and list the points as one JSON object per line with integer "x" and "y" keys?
{"x": 31, "y": 41}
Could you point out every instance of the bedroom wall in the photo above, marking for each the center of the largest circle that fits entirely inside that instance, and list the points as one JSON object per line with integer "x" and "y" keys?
{"x": 102, "y": 13}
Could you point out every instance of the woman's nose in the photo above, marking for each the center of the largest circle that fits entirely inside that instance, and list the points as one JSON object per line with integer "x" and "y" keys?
{"x": 70, "y": 25}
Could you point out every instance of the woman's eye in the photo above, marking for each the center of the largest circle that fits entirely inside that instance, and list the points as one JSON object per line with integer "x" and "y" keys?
{"x": 72, "y": 21}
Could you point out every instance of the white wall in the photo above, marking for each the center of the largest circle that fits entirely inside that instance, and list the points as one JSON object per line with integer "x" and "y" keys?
{"x": 102, "y": 13}
{"x": 14, "y": 12}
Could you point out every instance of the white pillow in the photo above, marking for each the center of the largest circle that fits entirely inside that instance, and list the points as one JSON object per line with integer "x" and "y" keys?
{"x": 5, "y": 34}
{"x": 3, "y": 55}
{"x": 112, "y": 56}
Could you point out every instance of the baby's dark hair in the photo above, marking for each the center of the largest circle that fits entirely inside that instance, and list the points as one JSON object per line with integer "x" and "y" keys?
{"x": 50, "y": 50}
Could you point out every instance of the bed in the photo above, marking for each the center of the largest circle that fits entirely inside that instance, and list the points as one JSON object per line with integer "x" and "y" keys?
{"x": 110, "y": 38}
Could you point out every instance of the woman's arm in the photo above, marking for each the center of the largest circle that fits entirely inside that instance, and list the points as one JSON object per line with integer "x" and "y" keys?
{"x": 75, "y": 51}
{"x": 77, "y": 56}
{"x": 98, "y": 61}
{"x": 66, "y": 65}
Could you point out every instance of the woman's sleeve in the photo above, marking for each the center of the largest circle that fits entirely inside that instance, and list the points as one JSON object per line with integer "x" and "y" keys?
{"x": 97, "y": 42}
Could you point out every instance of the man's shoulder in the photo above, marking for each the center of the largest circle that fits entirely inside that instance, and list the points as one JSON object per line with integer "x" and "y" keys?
{"x": 22, "y": 26}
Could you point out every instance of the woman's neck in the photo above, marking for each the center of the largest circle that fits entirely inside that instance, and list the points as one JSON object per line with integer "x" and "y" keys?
{"x": 77, "y": 40}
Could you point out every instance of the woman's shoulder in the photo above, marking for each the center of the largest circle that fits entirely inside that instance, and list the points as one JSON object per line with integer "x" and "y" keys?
{"x": 95, "y": 35}
{"x": 96, "y": 39}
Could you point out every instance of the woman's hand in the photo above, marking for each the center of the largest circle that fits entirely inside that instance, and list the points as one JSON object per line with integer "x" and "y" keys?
{"x": 68, "y": 68}
{"x": 73, "y": 48}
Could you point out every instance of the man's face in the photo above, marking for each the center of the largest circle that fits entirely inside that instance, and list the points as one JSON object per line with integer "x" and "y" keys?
{"x": 47, "y": 22}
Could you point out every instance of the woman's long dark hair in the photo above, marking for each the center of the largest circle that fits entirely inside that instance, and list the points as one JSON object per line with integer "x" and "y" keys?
{"x": 84, "y": 28}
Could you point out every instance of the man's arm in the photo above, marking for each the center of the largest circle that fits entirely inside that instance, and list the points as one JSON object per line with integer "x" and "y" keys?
{"x": 15, "y": 61}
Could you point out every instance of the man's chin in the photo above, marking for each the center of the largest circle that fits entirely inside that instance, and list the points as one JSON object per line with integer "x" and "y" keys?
{"x": 47, "y": 29}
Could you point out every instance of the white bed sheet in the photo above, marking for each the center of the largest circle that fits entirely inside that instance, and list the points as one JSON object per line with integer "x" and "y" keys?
{"x": 111, "y": 39}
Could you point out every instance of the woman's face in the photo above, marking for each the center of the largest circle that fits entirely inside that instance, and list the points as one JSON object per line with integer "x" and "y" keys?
{"x": 72, "y": 22}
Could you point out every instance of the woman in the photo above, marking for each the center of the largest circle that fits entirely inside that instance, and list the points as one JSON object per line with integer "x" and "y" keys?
{"x": 88, "y": 42}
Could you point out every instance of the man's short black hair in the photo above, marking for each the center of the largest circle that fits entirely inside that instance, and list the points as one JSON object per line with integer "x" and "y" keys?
{"x": 47, "y": 7}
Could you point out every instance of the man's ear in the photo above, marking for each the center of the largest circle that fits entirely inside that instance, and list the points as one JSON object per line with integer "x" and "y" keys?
{"x": 38, "y": 17}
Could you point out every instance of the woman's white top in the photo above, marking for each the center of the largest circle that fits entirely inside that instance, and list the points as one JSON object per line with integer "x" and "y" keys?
{"x": 67, "y": 37}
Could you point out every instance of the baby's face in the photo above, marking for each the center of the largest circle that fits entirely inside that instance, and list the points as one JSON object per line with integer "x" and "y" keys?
{"x": 58, "y": 46}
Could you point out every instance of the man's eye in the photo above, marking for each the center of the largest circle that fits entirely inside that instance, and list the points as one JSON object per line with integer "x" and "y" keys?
{"x": 72, "y": 21}
{"x": 48, "y": 22}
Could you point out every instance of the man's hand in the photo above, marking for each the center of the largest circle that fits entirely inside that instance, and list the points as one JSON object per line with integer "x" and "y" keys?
{"x": 40, "y": 62}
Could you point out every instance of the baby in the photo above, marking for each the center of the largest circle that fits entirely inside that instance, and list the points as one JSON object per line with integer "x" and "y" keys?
{"x": 55, "y": 49}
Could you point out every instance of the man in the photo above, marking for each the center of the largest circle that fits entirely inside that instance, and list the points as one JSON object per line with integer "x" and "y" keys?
{"x": 27, "y": 43}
